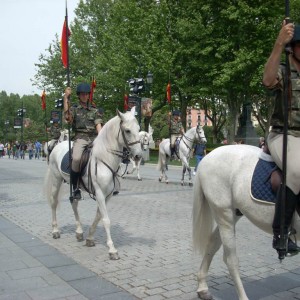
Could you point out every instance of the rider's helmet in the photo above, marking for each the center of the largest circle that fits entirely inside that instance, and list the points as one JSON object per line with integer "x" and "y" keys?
{"x": 176, "y": 113}
{"x": 296, "y": 37}
{"x": 83, "y": 88}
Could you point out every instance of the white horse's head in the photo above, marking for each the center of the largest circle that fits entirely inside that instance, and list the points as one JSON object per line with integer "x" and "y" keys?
{"x": 200, "y": 135}
{"x": 130, "y": 132}
{"x": 145, "y": 140}
{"x": 64, "y": 135}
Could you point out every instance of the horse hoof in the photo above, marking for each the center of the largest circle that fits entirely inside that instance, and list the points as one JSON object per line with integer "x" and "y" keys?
{"x": 159, "y": 179}
{"x": 140, "y": 179}
{"x": 79, "y": 237}
{"x": 205, "y": 295}
{"x": 56, "y": 235}
{"x": 114, "y": 256}
{"x": 190, "y": 184}
{"x": 90, "y": 243}
{"x": 182, "y": 183}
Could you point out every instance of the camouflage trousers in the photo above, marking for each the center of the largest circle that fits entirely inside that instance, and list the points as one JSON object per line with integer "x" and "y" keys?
{"x": 293, "y": 163}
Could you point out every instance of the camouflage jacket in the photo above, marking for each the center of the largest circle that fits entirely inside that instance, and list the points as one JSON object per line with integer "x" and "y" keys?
{"x": 175, "y": 127}
{"x": 294, "y": 107}
{"x": 55, "y": 132}
{"x": 85, "y": 121}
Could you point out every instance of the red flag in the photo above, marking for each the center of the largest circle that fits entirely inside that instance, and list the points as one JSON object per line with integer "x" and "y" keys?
{"x": 125, "y": 102}
{"x": 64, "y": 44}
{"x": 43, "y": 97}
{"x": 168, "y": 90}
{"x": 93, "y": 86}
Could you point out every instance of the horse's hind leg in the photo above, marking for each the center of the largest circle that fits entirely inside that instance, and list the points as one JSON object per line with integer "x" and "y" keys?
{"x": 53, "y": 201}
{"x": 226, "y": 221}
{"x": 212, "y": 247}
{"x": 79, "y": 231}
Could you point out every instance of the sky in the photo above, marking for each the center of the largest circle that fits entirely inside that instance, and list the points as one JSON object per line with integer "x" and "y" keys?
{"x": 27, "y": 28}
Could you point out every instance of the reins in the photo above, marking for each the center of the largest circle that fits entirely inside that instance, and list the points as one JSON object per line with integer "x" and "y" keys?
{"x": 121, "y": 154}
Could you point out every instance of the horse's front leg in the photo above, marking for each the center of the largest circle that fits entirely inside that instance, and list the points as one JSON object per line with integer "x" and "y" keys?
{"x": 212, "y": 247}
{"x": 79, "y": 231}
{"x": 138, "y": 163}
{"x": 190, "y": 176}
{"x": 183, "y": 173}
{"x": 102, "y": 213}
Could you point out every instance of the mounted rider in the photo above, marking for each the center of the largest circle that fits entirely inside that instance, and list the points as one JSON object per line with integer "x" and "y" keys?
{"x": 273, "y": 79}
{"x": 86, "y": 124}
{"x": 54, "y": 131}
{"x": 176, "y": 130}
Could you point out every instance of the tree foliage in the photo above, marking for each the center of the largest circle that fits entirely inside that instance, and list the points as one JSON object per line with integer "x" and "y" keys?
{"x": 213, "y": 54}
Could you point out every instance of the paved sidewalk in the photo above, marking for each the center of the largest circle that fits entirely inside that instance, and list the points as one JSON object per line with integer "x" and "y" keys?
{"x": 31, "y": 269}
{"x": 151, "y": 228}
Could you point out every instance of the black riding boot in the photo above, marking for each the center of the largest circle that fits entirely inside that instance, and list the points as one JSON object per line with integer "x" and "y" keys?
{"x": 290, "y": 206}
{"x": 74, "y": 180}
{"x": 172, "y": 152}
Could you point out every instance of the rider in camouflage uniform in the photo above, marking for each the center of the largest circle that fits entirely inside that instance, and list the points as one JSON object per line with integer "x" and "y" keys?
{"x": 273, "y": 79}
{"x": 55, "y": 135}
{"x": 86, "y": 123}
{"x": 176, "y": 130}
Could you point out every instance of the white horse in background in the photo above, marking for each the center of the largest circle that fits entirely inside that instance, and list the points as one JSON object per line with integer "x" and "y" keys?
{"x": 100, "y": 175}
{"x": 64, "y": 136}
{"x": 193, "y": 136}
{"x": 145, "y": 138}
{"x": 222, "y": 188}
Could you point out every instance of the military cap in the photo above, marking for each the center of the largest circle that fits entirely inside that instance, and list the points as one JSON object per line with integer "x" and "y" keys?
{"x": 296, "y": 37}
{"x": 176, "y": 113}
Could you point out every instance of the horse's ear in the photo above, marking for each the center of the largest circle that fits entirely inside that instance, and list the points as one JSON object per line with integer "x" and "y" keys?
{"x": 121, "y": 115}
{"x": 133, "y": 111}
{"x": 150, "y": 130}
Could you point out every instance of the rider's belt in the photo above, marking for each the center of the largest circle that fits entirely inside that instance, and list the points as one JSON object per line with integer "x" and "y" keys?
{"x": 84, "y": 136}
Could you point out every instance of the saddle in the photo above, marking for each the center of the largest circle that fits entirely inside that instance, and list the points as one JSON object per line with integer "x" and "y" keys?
{"x": 65, "y": 167}
{"x": 266, "y": 180}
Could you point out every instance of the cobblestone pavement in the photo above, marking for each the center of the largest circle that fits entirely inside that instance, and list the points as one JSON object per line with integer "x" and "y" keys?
{"x": 151, "y": 228}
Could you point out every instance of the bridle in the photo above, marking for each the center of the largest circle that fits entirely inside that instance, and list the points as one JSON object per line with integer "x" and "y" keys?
{"x": 199, "y": 138}
{"x": 143, "y": 143}
{"x": 126, "y": 142}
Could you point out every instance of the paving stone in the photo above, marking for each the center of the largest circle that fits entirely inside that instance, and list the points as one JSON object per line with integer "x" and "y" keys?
{"x": 151, "y": 227}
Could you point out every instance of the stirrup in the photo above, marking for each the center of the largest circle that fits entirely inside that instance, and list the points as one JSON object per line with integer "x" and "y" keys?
{"x": 77, "y": 194}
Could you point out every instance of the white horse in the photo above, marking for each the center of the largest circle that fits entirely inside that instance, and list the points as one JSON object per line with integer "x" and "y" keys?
{"x": 219, "y": 190}
{"x": 192, "y": 136}
{"x": 145, "y": 138}
{"x": 64, "y": 136}
{"x": 100, "y": 177}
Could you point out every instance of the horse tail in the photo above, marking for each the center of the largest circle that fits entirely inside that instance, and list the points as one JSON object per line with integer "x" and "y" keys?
{"x": 203, "y": 221}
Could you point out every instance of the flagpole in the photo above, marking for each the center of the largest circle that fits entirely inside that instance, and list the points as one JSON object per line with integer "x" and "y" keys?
{"x": 68, "y": 84}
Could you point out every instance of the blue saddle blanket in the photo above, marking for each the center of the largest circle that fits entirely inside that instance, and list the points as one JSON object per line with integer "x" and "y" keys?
{"x": 261, "y": 189}
{"x": 65, "y": 164}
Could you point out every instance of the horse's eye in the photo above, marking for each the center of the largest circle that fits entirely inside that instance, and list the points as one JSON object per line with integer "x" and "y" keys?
{"x": 127, "y": 131}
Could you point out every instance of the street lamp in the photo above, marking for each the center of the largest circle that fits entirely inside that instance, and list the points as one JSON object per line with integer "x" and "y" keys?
{"x": 138, "y": 86}
{"x": 6, "y": 123}
{"x": 21, "y": 113}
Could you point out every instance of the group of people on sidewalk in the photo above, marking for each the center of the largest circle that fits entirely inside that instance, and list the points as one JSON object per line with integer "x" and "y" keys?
{"x": 18, "y": 150}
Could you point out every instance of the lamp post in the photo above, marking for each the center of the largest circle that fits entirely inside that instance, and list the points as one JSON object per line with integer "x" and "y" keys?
{"x": 6, "y": 123}
{"x": 21, "y": 113}
{"x": 189, "y": 117}
{"x": 136, "y": 87}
